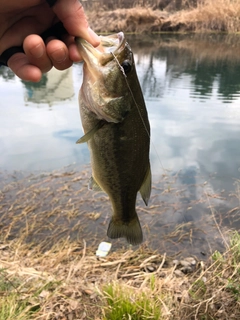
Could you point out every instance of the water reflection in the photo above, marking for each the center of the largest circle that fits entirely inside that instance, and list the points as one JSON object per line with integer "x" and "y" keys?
{"x": 6, "y": 73}
{"x": 54, "y": 86}
{"x": 192, "y": 89}
{"x": 206, "y": 59}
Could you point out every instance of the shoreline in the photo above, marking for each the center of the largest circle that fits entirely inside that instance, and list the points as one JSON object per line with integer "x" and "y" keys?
{"x": 61, "y": 278}
{"x": 48, "y": 207}
{"x": 70, "y": 282}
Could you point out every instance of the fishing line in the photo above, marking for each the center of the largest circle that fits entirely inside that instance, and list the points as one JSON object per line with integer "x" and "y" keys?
{"x": 125, "y": 76}
{"x": 135, "y": 102}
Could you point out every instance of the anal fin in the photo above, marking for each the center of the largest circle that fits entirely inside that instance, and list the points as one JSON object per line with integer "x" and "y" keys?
{"x": 146, "y": 186}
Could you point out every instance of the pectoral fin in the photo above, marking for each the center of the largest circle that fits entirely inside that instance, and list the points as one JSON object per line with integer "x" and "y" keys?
{"x": 90, "y": 133}
{"x": 145, "y": 189}
{"x": 93, "y": 185}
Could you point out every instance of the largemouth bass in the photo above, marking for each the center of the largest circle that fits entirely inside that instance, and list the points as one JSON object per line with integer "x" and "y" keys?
{"x": 117, "y": 130}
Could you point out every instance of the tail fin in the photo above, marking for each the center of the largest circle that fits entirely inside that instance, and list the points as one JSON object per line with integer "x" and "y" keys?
{"x": 132, "y": 231}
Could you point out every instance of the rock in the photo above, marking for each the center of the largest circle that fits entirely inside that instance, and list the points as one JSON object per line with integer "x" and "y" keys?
{"x": 150, "y": 268}
{"x": 185, "y": 263}
{"x": 186, "y": 269}
{"x": 162, "y": 275}
{"x": 175, "y": 262}
{"x": 179, "y": 273}
{"x": 191, "y": 260}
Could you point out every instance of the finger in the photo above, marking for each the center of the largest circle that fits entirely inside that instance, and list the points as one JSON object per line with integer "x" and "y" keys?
{"x": 20, "y": 65}
{"x": 72, "y": 14}
{"x": 59, "y": 55}
{"x": 36, "y": 53}
{"x": 73, "y": 51}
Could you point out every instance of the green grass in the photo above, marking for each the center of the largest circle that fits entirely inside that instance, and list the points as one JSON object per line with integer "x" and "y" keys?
{"x": 14, "y": 305}
{"x": 198, "y": 289}
{"x": 125, "y": 303}
{"x": 213, "y": 292}
{"x": 234, "y": 288}
{"x": 20, "y": 301}
{"x": 219, "y": 282}
{"x": 55, "y": 288}
{"x": 235, "y": 246}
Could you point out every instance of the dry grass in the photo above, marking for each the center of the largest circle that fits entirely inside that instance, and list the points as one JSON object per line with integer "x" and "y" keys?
{"x": 138, "y": 20}
{"x": 70, "y": 282}
{"x": 209, "y": 15}
{"x": 46, "y": 274}
{"x": 168, "y": 5}
{"x": 199, "y": 16}
{"x": 56, "y": 277}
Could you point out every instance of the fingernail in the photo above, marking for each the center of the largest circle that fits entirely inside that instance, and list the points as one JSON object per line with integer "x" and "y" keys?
{"x": 59, "y": 55}
{"x": 37, "y": 51}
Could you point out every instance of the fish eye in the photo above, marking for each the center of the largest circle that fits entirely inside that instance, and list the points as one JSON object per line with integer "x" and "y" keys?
{"x": 127, "y": 66}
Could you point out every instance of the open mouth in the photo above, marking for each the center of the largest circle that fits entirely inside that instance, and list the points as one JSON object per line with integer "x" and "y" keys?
{"x": 108, "y": 45}
{"x": 112, "y": 43}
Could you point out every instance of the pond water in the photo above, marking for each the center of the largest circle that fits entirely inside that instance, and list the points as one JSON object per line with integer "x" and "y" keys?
{"x": 191, "y": 86}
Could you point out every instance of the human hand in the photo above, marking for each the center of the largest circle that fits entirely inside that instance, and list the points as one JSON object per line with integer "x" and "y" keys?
{"x": 23, "y": 21}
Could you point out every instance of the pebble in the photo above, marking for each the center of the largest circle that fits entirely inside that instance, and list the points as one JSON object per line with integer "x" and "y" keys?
{"x": 186, "y": 269}
{"x": 191, "y": 260}
{"x": 179, "y": 273}
{"x": 150, "y": 268}
{"x": 185, "y": 263}
{"x": 162, "y": 275}
{"x": 175, "y": 262}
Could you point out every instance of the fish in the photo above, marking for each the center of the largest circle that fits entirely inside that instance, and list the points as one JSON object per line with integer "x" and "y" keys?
{"x": 117, "y": 130}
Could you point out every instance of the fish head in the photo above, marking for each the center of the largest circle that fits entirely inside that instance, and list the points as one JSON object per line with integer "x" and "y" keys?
{"x": 107, "y": 73}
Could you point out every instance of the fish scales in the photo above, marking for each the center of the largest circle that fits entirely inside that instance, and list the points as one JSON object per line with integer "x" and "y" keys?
{"x": 117, "y": 130}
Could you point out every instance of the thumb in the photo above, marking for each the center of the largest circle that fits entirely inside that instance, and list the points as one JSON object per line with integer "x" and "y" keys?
{"x": 73, "y": 17}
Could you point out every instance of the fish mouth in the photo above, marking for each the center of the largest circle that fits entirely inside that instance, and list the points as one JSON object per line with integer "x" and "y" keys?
{"x": 110, "y": 46}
